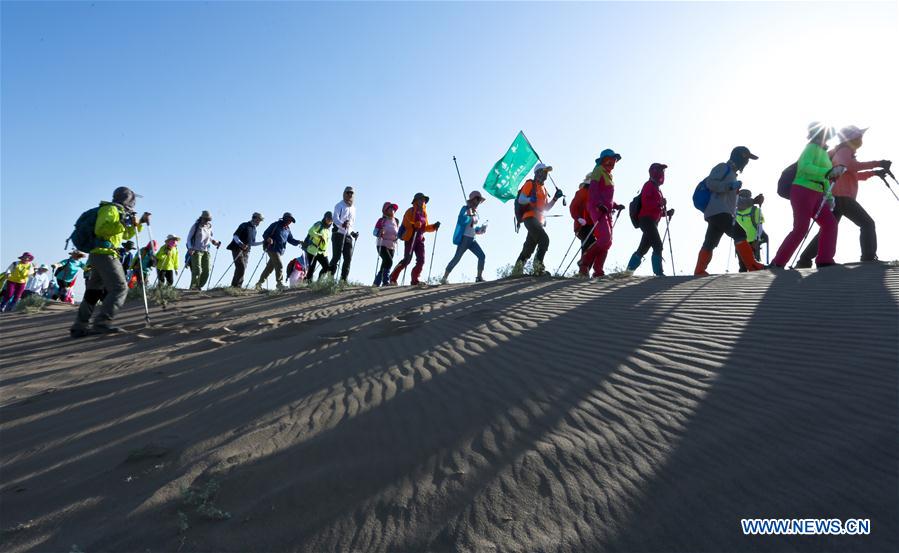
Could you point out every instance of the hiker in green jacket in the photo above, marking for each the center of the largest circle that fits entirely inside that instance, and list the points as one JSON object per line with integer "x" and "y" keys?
{"x": 115, "y": 222}
{"x": 751, "y": 219}
{"x": 316, "y": 246}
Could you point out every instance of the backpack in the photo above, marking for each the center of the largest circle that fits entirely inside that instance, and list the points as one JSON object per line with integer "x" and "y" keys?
{"x": 785, "y": 182}
{"x": 83, "y": 237}
{"x": 633, "y": 209}
{"x": 702, "y": 195}
{"x": 521, "y": 208}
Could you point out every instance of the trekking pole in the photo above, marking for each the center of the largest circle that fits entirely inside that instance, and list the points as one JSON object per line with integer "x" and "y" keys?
{"x": 212, "y": 269}
{"x": 584, "y": 241}
{"x": 223, "y": 274}
{"x": 143, "y": 284}
{"x": 464, "y": 197}
{"x": 564, "y": 202}
{"x": 254, "y": 270}
{"x": 433, "y": 253}
{"x": 617, "y": 215}
{"x": 670, "y": 247}
{"x": 733, "y": 253}
{"x": 887, "y": 183}
{"x": 352, "y": 251}
{"x": 564, "y": 257}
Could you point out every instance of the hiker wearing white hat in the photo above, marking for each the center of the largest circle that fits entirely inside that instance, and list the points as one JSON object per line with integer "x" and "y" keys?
{"x": 531, "y": 206}
{"x": 38, "y": 283}
{"x": 845, "y": 192}
{"x": 467, "y": 229}
{"x": 199, "y": 241}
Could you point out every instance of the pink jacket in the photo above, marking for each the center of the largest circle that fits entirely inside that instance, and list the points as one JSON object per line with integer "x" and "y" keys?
{"x": 652, "y": 203}
{"x": 601, "y": 192}
{"x": 386, "y": 230}
{"x": 847, "y": 185}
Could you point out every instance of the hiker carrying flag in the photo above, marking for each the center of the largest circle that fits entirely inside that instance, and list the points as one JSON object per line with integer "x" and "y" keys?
{"x": 845, "y": 191}
{"x": 467, "y": 229}
{"x": 583, "y": 223}
{"x": 652, "y": 208}
{"x": 199, "y": 239}
{"x": 415, "y": 225}
{"x": 751, "y": 219}
{"x": 387, "y": 232}
{"x": 316, "y": 246}
{"x": 600, "y": 204}
{"x": 811, "y": 198}
{"x": 242, "y": 241}
{"x": 114, "y": 222}
{"x": 276, "y": 237}
{"x": 344, "y": 237}
{"x": 533, "y": 200}
{"x": 167, "y": 260}
{"x": 720, "y": 212}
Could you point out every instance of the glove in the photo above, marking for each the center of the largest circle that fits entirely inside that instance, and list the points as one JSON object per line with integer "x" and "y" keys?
{"x": 736, "y": 185}
{"x": 759, "y": 200}
{"x": 558, "y": 194}
{"x": 437, "y": 225}
{"x": 145, "y": 218}
{"x": 670, "y": 213}
{"x": 354, "y": 234}
{"x": 880, "y": 173}
{"x": 836, "y": 172}
{"x": 581, "y": 221}
{"x": 886, "y": 164}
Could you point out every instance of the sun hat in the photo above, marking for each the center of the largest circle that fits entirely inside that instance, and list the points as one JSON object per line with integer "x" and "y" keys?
{"x": 851, "y": 132}
{"x": 608, "y": 152}
{"x": 389, "y": 204}
{"x": 420, "y": 196}
{"x": 477, "y": 195}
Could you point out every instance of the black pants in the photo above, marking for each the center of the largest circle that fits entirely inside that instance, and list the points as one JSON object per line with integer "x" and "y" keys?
{"x": 586, "y": 236}
{"x": 537, "y": 239}
{"x": 386, "y": 259}
{"x": 241, "y": 258}
{"x": 342, "y": 247}
{"x": 719, "y": 225}
{"x": 63, "y": 289}
{"x": 853, "y": 211}
{"x": 166, "y": 276}
{"x": 651, "y": 238}
{"x": 322, "y": 260}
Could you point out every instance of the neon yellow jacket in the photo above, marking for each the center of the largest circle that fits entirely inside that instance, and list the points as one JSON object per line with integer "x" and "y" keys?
{"x": 320, "y": 237}
{"x": 750, "y": 221}
{"x": 19, "y": 272}
{"x": 110, "y": 231}
{"x": 167, "y": 258}
{"x": 812, "y": 169}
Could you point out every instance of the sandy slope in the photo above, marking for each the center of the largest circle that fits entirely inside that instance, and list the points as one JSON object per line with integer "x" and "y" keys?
{"x": 523, "y": 415}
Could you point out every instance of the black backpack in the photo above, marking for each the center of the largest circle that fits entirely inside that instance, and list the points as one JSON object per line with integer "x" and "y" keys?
{"x": 83, "y": 237}
{"x": 633, "y": 209}
{"x": 785, "y": 182}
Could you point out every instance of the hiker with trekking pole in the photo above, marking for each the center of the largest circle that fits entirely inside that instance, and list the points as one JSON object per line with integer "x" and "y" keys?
{"x": 275, "y": 240}
{"x": 751, "y": 219}
{"x": 845, "y": 192}
{"x": 242, "y": 242}
{"x": 811, "y": 197}
{"x": 583, "y": 224}
{"x": 464, "y": 236}
{"x": 530, "y": 210}
{"x": 386, "y": 232}
{"x": 199, "y": 241}
{"x": 167, "y": 259}
{"x": 100, "y": 232}
{"x": 315, "y": 246}
{"x": 344, "y": 237}
{"x": 412, "y": 232}
{"x": 600, "y": 204}
{"x": 646, "y": 210}
{"x": 716, "y": 197}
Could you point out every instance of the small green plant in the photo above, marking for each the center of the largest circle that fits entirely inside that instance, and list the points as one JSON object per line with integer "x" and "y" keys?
{"x": 156, "y": 295}
{"x": 32, "y": 304}
{"x": 236, "y": 292}
{"x": 202, "y": 499}
{"x": 518, "y": 270}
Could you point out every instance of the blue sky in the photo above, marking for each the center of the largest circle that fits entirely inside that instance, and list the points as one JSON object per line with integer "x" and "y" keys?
{"x": 242, "y": 107}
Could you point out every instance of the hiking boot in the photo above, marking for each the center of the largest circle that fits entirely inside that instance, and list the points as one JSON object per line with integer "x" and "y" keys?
{"x": 258, "y": 286}
{"x": 106, "y": 329}
{"x": 79, "y": 332}
{"x": 479, "y": 279}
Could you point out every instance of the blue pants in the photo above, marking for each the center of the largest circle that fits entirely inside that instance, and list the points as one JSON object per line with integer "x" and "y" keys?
{"x": 468, "y": 243}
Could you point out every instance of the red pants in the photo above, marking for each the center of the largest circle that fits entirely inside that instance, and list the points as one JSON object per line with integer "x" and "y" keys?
{"x": 595, "y": 256}
{"x": 805, "y": 203}
{"x": 412, "y": 246}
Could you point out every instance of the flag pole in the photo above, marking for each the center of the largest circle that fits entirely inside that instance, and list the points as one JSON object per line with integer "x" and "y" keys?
{"x": 564, "y": 202}
{"x": 464, "y": 197}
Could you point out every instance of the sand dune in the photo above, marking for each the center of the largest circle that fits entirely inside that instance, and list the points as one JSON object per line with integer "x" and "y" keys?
{"x": 521, "y": 415}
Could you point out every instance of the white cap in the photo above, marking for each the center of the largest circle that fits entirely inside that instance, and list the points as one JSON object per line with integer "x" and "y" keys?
{"x": 542, "y": 166}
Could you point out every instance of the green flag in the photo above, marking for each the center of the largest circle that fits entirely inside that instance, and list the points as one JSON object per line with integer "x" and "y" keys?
{"x": 503, "y": 180}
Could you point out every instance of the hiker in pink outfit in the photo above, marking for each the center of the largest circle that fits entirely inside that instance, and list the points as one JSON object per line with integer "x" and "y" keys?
{"x": 600, "y": 206}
